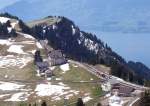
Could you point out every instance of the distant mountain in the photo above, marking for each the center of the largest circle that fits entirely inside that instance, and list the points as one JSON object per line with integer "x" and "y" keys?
{"x": 112, "y": 15}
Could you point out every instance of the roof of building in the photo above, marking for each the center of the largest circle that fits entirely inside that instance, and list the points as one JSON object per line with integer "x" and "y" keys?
{"x": 42, "y": 64}
{"x": 55, "y": 54}
{"x": 123, "y": 88}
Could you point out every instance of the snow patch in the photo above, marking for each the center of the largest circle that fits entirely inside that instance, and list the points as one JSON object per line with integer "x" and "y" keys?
{"x": 33, "y": 51}
{"x": 52, "y": 68}
{"x": 8, "y": 86}
{"x": 9, "y": 29}
{"x": 91, "y": 79}
{"x": 56, "y": 91}
{"x": 68, "y": 96}
{"x": 10, "y": 60}
{"x": 16, "y": 49}
{"x": 54, "y": 27}
{"x": 27, "y": 42}
{"x": 91, "y": 45}
{"x": 62, "y": 84}
{"x": 6, "y": 76}
{"x": 21, "y": 96}
{"x": 4, "y": 95}
{"x": 75, "y": 65}
{"x": 65, "y": 67}
{"x": 48, "y": 89}
{"x": 86, "y": 99}
{"x": 39, "y": 45}
{"x": 26, "y": 35}
{"x": 115, "y": 101}
{"x": 73, "y": 30}
{"x": 5, "y": 42}
{"x": 58, "y": 79}
{"x": 13, "y": 24}
{"x": 4, "y": 19}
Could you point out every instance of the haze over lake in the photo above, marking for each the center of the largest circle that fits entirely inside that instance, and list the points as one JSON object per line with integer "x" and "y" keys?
{"x": 131, "y": 46}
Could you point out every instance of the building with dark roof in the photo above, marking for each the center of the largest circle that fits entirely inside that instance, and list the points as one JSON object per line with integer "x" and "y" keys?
{"x": 42, "y": 66}
{"x": 123, "y": 90}
{"x": 56, "y": 57}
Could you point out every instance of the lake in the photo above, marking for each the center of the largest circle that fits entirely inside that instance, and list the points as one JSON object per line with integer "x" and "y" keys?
{"x": 131, "y": 46}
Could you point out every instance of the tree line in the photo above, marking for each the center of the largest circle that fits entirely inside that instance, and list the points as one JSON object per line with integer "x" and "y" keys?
{"x": 4, "y": 32}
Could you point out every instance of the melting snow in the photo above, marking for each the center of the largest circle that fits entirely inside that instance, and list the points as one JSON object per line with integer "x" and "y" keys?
{"x": 5, "y": 42}
{"x": 39, "y": 45}
{"x": 62, "y": 84}
{"x": 10, "y": 60}
{"x": 8, "y": 86}
{"x": 73, "y": 30}
{"x": 75, "y": 66}
{"x": 56, "y": 91}
{"x": 68, "y": 96}
{"x": 13, "y": 24}
{"x": 52, "y": 68}
{"x": 9, "y": 29}
{"x": 91, "y": 45}
{"x": 4, "y": 19}
{"x": 58, "y": 79}
{"x": 86, "y": 99}
{"x": 27, "y": 42}
{"x": 6, "y": 76}
{"x": 26, "y": 36}
{"x": 33, "y": 51}
{"x": 54, "y": 27}
{"x": 21, "y": 96}
{"x": 4, "y": 95}
{"x": 48, "y": 89}
{"x": 16, "y": 49}
{"x": 115, "y": 101}
{"x": 65, "y": 67}
{"x": 91, "y": 79}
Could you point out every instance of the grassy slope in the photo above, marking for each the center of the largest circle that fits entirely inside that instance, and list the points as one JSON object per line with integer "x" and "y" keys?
{"x": 48, "y": 21}
{"x": 71, "y": 78}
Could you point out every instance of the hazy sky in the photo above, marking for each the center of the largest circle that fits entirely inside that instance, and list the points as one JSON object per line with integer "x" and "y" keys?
{"x": 4, "y": 3}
